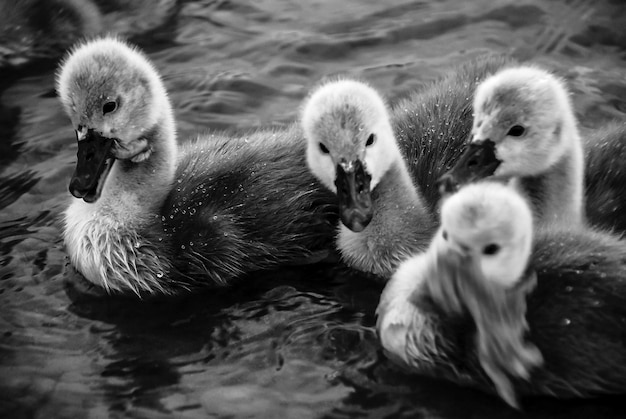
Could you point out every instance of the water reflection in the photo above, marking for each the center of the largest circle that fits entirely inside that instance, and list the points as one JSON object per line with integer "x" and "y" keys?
{"x": 280, "y": 336}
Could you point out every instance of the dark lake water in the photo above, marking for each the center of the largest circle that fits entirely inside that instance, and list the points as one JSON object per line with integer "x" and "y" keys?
{"x": 296, "y": 343}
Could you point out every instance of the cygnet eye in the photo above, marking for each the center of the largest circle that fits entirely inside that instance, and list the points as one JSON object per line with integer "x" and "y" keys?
{"x": 491, "y": 249}
{"x": 324, "y": 149}
{"x": 109, "y": 107}
{"x": 516, "y": 131}
{"x": 370, "y": 140}
{"x": 444, "y": 234}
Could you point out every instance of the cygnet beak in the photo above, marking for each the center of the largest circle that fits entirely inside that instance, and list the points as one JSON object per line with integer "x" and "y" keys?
{"x": 478, "y": 162}
{"x": 458, "y": 249}
{"x": 93, "y": 165}
{"x": 353, "y": 192}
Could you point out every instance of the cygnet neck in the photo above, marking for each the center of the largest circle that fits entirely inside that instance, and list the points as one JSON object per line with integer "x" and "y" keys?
{"x": 401, "y": 225}
{"x": 557, "y": 195}
{"x": 136, "y": 189}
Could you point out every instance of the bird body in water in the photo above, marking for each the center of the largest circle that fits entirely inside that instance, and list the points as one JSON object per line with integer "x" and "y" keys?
{"x": 525, "y": 131}
{"x": 564, "y": 334}
{"x": 351, "y": 148}
{"x": 383, "y": 164}
{"x": 154, "y": 217}
{"x": 430, "y": 131}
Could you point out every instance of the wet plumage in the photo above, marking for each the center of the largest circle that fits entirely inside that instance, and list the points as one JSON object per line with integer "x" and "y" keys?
{"x": 575, "y": 316}
{"x": 158, "y": 218}
{"x": 352, "y": 150}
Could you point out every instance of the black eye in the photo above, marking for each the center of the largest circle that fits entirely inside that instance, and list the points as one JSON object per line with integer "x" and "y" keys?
{"x": 516, "y": 131}
{"x": 324, "y": 149}
{"x": 491, "y": 249}
{"x": 444, "y": 235}
{"x": 109, "y": 107}
{"x": 370, "y": 140}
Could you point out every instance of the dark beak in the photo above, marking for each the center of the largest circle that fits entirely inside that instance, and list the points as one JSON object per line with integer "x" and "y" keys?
{"x": 93, "y": 166}
{"x": 478, "y": 162}
{"x": 353, "y": 192}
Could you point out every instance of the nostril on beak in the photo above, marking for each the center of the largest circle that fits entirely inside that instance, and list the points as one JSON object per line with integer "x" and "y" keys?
{"x": 76, "y": 184}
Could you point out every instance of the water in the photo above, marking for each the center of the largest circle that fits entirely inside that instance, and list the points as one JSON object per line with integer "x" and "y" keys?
{"x": 294, "y": 343}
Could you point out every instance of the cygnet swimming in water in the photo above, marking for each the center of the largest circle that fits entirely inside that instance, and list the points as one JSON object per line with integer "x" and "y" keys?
{"x": 524, "y": 128}
{"x": 152, "y": 217}
{"x": 481, "y": 260}
{"x": 445, "y": 312}
{"x": 389, "y": 197}
{"x": 432, "y": 126}
{"x": 352, "y": 150}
